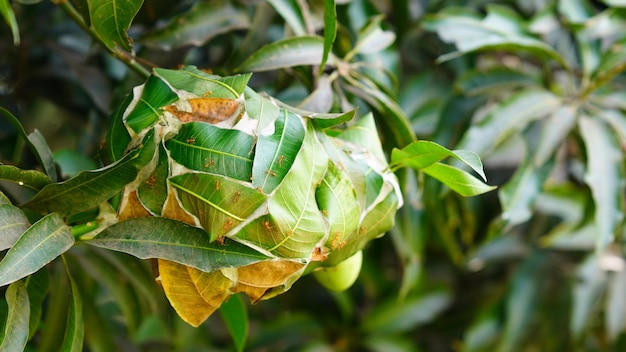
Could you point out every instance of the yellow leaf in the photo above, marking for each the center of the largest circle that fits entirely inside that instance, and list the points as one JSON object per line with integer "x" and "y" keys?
{"x": 183, "y": 294}
{"x": 211, "y": 110}
{"x": 173, "y": 210}
{"x": 259, "y": 278}
{"x": 131, "y": 207}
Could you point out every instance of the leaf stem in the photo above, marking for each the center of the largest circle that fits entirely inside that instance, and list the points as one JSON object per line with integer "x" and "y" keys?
{"x": 121, "y": 55}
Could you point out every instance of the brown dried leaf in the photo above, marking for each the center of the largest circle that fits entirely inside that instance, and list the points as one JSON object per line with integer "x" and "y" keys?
{"x": 183, "y": 294}
{"x": 258, "y": 278}
{"x": 132, "y": 208}
{"x": 173, "y": 210}
{"x": 211, "y": 110}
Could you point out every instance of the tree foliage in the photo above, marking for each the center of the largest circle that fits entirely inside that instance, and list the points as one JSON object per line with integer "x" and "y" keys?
{"x": 424, "y": 100}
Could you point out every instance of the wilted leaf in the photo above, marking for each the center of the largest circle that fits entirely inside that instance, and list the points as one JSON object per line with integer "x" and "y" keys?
{"x": 112, "y": 19}
{"x": 40, "y": 244}
{"x": 174, "y": 241}
{"x": 183, "y": 294}
{"x": 15, "y": 334}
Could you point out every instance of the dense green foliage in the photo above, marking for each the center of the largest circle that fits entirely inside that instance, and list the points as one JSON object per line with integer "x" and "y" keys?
{"x": 534, "y": 88}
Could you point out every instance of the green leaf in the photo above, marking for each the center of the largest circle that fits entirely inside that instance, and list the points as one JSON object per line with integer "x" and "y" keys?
{"x": 37, "y": 285}
{"x": 203, "y": 84}
{"x": 7, "y": 12}
{"x": 117, "y": 138}
{"x": 235, "y": 316}
{"x": 153, "y": 191}
{"x": 365, "y": 134}
{"x": 147, "y": 102}
{"x": 112, "y": 19}
{"x": 201, "y": 23}
{"x": 458, "y": 180}
{"x": 204, "y": 147}
{"x": 13, "y": 223}
{"x": 603, "y": 176}
{"x": 587, "y": 290}
{"x": 295, "y": 224}
{"x": 421, "y": 154}
{"x": 501, "y": 29}
{"x": 397, "y": 317}
{"x": 90, "y": 188}
{"x": 260, "y": 108}
{"x": 616, "y": 305}
{"x": 322, "y": 119}
{"x": 555, "y": 129}
{"x": 175, "y": 241}
{"x": 40, "y": 244}
{"x": 292, "y": 13}
{"x": 274, "y": 154}
{"x": 372, "y": 38}
{"x": 36, "y": 143}
{"x": 15, "y": 334}
{"x": 493, "y": 81}
{"x": 74, "y": 328}
{"x": 330, "y": 31}
{"x": 510, "y": 115}
{"x": 218, "y": 202}
{"x": 294, "y": 51}
{"x": 518, "y": 195}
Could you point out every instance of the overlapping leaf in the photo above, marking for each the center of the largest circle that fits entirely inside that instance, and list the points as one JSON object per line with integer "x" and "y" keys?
{"x": 15, "y": 334}
{"x": 146, "y": 108}
{"x": 204, "y": 147}
{"x": 90, "y": 188}
{"x": 275, "y": 154}
{"x": 174, "y": 241}
{"x": 294, "y": 51}
{"x": 219, "y": 203}
{"x": 112, "y": 19}
{"x": 13, "y": 223}
{"x": 204, "y": 84}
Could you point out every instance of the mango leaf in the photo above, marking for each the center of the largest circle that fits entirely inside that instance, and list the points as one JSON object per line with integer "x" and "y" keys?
{"x": 398, "y": 317}
{"x": 330, "y": 31}
{"x": 336, "y": 198}
{"x": 40, "y": 244}
{"x": 274, "y": 154}
{"x": 7, "y": 12}
{"x": 235, "y": 316}
{"x": 90, "y": 188}
{"x": 322, "y": 119}
{"x": 182, "y": 293}
{"x": 396, "y": 119}
{"x": 201, "y": 23}
{"x": 153, "y": 191}
{"x": 522, "y": 300}
{"x": 615, "y": 310}
{"x": 555, "y": 129}
{"x": 37, "y": 285}
{"x": 587, "y": 290}
{"x": 111, "y": 20}
{"x": 204, "y": 84}
{"x": 74, "y": 328}
{"x": 292, "y": 13}
{"x": 501, "y": 29}
{"x": 260, "y": 108}
{"x": 204, "y": 147}
{"x": 493, "y": 81}
{"x": 15, "y": 334}
{"x": 146, "y": 108}
{"x": 372, "y": 38}
{"x": 364, "y": 134}
{"x": 294, "y": 51}
{"x": 518, "y": 195}
{"x": 36, "y": 143}
{"x": 295, "y": 225}
{"x": 510, "y": 115}
{"x": 603, "y": 176}
{"x": 458, "y": 180}
{"x": 421, "y": 154}
{"x": 174, "y": 241}
{"x": 218, "y": 202}
{"x": 117, "y": 138}
{"x": 13, "y": 223}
